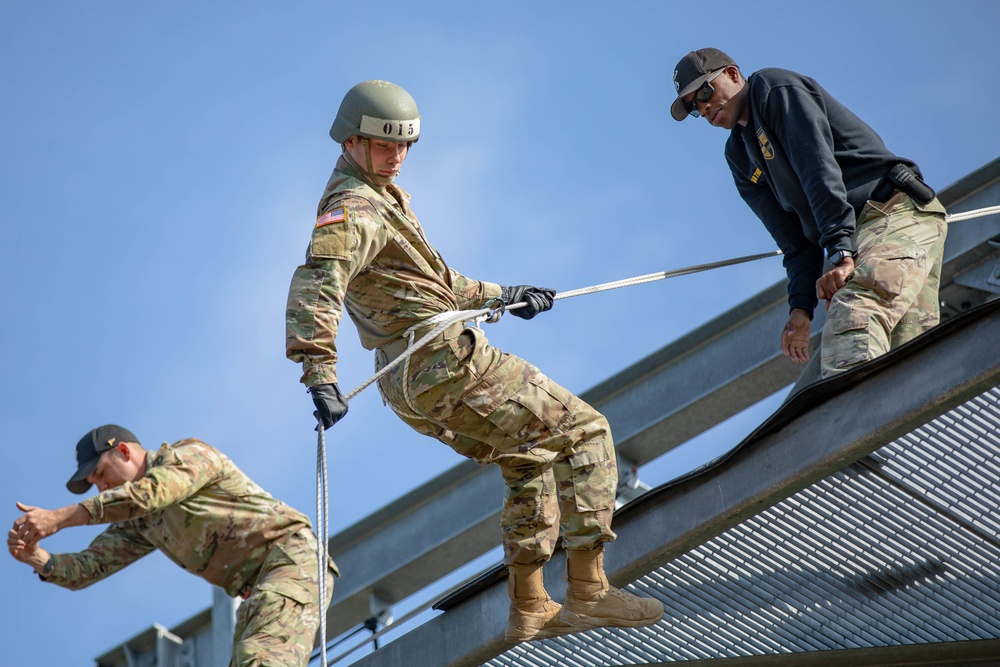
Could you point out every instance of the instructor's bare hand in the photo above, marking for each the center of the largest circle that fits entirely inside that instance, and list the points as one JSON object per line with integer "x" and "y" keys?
{"x": 833, "y": 280}
{"x": 795, "y": 336}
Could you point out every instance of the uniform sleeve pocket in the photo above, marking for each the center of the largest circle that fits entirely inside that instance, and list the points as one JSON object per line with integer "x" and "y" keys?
{"x": 333, "y": 241}
{"x": 303, "y": 297}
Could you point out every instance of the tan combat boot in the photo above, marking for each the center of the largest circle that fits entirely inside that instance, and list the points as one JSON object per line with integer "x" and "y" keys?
{"x": 533, "y": 614}
{"x": 592, "y": 603}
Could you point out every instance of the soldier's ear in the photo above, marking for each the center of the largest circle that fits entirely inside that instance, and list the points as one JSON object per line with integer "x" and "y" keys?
{"x": 124, "y": 450}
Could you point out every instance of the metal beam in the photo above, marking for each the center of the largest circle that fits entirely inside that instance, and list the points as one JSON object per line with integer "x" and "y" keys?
{"x": 907, "y": 389}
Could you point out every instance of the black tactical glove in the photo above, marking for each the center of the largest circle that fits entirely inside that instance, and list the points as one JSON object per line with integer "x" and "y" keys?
{"x": 330, "y": 404}
{"x": 539, "y": 299}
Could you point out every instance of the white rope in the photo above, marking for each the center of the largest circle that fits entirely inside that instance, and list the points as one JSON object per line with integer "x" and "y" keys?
{"x": 663, "y": 275}
{"x": 322, "y": 518}
{"x": 968, "y": 215}
{"x": 442, "y": 321}
{"x": 446, "y": 319}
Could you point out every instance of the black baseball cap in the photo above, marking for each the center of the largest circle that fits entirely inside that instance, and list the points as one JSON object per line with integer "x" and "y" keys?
{"x": 89, "y": 450}
{"x": 692, "y": 71}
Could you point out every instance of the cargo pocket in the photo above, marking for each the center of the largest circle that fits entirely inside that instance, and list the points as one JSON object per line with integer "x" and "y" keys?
{"x": 883, "y": 276}
{"x": 495, "y": 388}
{"x": 480, "y": 452}
{"x": 851, "y": 341}
{"x": 291, "y": 589}
{"x": 521, "y": 402}
{"x": 303, "y": 299}
{"x": 595, "y": 476}
{"x": 288, "y": 580}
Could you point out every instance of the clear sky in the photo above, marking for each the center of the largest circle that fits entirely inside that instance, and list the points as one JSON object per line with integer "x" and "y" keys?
{"x": 160, "y": 165}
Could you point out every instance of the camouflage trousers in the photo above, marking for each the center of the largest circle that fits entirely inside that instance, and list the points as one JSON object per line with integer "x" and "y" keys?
{"x": 892, "y": 297}
{"x": 555, "y": 452}
{"x": 276, "y": 625}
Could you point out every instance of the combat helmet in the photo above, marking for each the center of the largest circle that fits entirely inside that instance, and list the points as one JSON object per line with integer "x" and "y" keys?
{"x": 377, "y": 110}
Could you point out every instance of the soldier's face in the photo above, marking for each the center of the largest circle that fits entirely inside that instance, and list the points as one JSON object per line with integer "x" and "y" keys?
{"x": 114, "y": 468}
{"x": 387, "y": 156}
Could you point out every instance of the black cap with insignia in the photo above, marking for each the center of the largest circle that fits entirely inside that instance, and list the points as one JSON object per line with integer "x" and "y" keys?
{"x": 692, "y": 71}
{"x": 89, "y": 450}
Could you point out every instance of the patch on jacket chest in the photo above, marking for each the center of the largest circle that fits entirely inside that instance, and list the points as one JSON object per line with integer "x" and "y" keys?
{"x": 765, "y": 145}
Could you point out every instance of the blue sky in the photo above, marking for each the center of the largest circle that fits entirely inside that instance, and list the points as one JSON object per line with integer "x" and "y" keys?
{"x": 161, "y": 164}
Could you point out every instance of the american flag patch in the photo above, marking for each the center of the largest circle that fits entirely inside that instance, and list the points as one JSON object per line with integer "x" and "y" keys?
{"x": 336, "y": 215}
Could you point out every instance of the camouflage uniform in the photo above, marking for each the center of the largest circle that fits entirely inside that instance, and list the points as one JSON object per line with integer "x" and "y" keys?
{"x": 892, "y": 296}
{"x": 368, "y": 254}
{"x": 199, "y": 509}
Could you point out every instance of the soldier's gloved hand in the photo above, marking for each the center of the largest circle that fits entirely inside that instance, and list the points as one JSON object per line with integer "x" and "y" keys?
{"x": 539, "y": 299}
{"x": 330, "y": 404}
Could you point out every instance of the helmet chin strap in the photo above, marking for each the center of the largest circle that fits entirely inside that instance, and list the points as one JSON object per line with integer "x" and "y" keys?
{"x": 370, "y": 170}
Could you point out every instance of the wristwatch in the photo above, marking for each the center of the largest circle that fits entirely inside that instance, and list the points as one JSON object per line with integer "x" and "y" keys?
{"x": 839, "y": 256}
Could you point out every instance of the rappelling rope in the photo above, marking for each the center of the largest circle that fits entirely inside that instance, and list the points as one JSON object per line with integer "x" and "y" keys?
{"x": 322, "y": 517}
{"x": 440, "y": 323}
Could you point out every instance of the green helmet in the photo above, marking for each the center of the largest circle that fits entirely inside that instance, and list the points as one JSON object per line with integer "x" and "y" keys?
{"x": 377, "y": 110}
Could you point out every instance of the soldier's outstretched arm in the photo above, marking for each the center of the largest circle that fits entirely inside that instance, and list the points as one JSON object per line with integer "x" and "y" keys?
{"x": 37, "y": 522}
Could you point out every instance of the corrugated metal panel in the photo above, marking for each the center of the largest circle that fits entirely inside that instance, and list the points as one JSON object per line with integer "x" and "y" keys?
{"x": 900, "y": 548}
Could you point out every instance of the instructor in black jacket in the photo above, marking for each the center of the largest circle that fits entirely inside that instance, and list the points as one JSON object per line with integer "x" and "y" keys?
{"x": 824, "y": 184}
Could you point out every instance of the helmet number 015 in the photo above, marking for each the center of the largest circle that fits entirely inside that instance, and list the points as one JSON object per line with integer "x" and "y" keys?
{"x": 390, "y": 128}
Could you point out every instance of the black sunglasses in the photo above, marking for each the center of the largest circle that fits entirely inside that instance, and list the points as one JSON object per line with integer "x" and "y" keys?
{"x": 702, "y": 95}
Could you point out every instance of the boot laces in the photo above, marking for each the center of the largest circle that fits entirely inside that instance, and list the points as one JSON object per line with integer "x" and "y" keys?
{"x": 628, "y": 600}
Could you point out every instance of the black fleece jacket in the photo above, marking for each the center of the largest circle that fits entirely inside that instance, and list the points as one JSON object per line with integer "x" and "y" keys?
{"x": 806, "y": 166}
